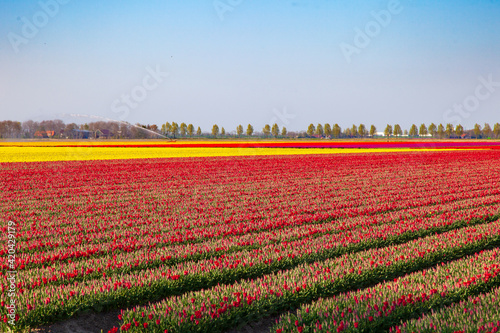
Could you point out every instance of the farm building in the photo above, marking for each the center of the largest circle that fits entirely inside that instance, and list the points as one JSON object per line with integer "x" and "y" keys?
{"x": 82, "y": 134}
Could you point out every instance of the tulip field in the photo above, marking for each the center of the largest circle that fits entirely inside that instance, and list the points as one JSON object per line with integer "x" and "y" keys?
{"x": 394, "y": 240}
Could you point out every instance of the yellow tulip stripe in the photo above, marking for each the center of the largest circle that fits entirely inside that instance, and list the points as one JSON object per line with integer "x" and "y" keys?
{"x": 66, "y": 143}
{"x": 41, "y": 154}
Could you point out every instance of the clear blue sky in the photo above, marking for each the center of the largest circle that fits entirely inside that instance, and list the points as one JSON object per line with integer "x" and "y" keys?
{"x": 232, "y": 62}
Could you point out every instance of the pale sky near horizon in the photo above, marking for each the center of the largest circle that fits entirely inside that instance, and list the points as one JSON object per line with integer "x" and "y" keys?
{"x": 230, "y": 62}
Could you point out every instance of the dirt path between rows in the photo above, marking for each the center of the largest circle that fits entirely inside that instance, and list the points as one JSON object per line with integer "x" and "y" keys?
{"x": 95, "y": 322}
{"x": 88, "y": 323}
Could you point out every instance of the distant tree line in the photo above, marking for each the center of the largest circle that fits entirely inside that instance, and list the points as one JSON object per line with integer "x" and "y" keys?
{"x": 57, "y": 129}
{"x": 438, "y": 132}
{"x": 120, "y": 130}
{"x": 445, "y": 132}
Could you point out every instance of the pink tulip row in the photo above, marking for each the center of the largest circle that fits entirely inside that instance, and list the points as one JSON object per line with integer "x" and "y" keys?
{"x": 59, "y": 297}
{"x": 360, "y": 309}
{"x": 223, "y": 301}
{"x": 187, "y": 233}
{"x": 220, "y": 201}
{"x": 157, "y": 247}
{"x": 479, "y": 313}
{"x": 115, "y": 232}
{"x": 304, "y": 247}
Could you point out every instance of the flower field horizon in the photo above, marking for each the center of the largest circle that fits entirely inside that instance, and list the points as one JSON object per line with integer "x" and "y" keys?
{"x": 59, "y": 150}
{"x": 321, "y": 238}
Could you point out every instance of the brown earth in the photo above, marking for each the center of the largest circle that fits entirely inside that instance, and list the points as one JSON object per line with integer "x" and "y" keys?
{"x": 88, "y": 323}
{"x": 97, "y": 322}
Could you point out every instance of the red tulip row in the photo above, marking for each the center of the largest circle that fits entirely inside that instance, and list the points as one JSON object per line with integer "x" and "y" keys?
{"x": 255, "y": 202}
{"x": 219, "y": 306}
{"x": 188, "y": 232}
{"x": 36, "y": 304}
{"x": 300, "y": 250}
{"x": 479, "y": 313}
{"x": 155, "y": 247}
{"x": 122, "y": 242}
{"x": 372, "y": 308}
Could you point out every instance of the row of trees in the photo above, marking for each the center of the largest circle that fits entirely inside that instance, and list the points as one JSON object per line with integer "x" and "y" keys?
{"x": 10, "y": 129}
{"x": 448, "y": 131}
{"x": 173, "y": 129}
{"x": 335, "y": 131}
{"x": 439, "y": 131}
{"x": 30, "y": 128}
{"x": 34, "y": 129}
{"x": 267, "y": 131}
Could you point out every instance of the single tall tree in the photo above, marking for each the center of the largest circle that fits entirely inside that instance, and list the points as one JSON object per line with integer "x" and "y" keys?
{"x": 397, "y": 130}
{"x": 168, "y": 128}
{"x": 336, "y": 130}
{"x": 310, "y": 130}
{"x": 496, "y": 130}
{"x": 449, "y": 130}
{"x": 190, "y": 129}
{"x": 215, "y": 130}
{"x": 354, "y": 131}
{"x": 486, "y": 130}
{"x": 174, "y": 128}
{"x": 423, "y": 130}
{"x": 266, "y": 130}
{"x": 249, "y": 130}
{"x": 373, "y": 130}
{"x": 440, "y": 131}
{"x": 459, "y": 131}
{"x": 362, "y": 130}
{"x": 198, "y": 131}
{"x": 239, "y": 130}
{"x": 432, "y": 130}
{"x": 275, "y": 130}
{"x": 413, "y": 131}
{"x": 283, "y": 131}
{"x": 388, "y": 130}
{"x": 222, "y": 131}
{"x": 327, "y": 129}
{"x": 477, "y": 131}
{"x": 183, "y": 129}
{"x": 319, "y": 130}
